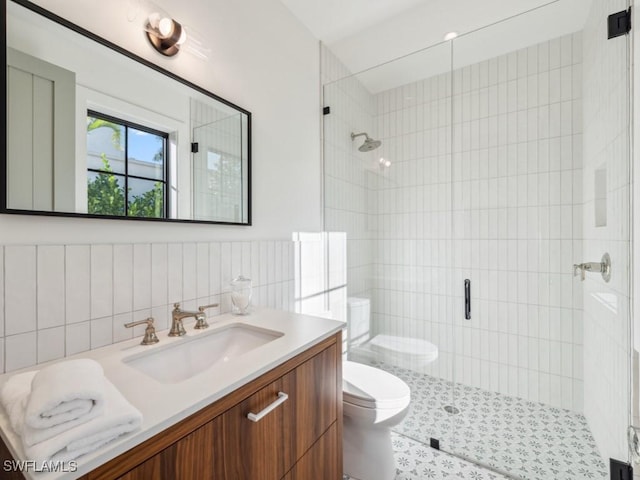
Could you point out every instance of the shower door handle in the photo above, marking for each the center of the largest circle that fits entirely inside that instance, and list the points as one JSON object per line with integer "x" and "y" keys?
{"x": 467, "y": 299}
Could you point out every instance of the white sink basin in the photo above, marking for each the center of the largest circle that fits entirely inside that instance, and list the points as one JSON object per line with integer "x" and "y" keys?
{"x": 191, "y": 355}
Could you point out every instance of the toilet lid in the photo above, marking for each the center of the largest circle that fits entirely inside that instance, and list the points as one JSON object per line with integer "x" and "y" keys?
{"x": 371, "y": 387}
{"x": 414, "y": 347}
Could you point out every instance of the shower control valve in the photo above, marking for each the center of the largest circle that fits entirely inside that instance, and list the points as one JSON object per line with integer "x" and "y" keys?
{"x": 603, "y": 267}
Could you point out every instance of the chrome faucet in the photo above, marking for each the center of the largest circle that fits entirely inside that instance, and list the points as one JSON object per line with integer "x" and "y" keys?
{"x": 177, "y": 315}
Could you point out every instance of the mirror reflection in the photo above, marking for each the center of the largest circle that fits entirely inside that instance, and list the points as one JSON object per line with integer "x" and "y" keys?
{"x": 91, "y": 131}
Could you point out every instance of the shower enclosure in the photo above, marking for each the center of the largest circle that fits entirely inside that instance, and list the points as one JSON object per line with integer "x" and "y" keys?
{"x": 504, "y": 162}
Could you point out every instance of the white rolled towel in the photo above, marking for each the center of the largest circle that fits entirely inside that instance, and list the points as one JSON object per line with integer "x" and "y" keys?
{"x": 64, "y": 392}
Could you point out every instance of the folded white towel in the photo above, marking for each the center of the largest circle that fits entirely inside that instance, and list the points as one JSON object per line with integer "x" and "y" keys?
{"x": 65, "y": 392}
{"x": 14, "y": 395}
{"x": 119, "y": 417}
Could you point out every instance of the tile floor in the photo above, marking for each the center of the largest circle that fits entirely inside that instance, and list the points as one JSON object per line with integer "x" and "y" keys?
{"x": 528, "y": 440}
{"x": 416, "y": 461}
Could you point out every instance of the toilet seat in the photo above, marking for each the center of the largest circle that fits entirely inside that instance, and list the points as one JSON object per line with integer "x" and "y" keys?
{"x": 404, "y": 346}
{"x": 371, "y": 387}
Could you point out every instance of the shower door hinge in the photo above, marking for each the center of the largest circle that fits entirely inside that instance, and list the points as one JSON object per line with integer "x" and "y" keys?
{"x": 326, "y": 110}
{"x": 194, "y": 147}
{"x": 619, "y": 23}
{"x": 620, "y": 470}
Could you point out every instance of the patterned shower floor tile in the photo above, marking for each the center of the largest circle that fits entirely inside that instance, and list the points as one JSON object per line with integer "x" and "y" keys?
{"x": 416, "y": 461}
{"x": 527, "y": 440}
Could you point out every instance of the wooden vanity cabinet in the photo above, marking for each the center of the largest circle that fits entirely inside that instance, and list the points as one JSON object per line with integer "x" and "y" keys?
{"x": 301, "y": 439}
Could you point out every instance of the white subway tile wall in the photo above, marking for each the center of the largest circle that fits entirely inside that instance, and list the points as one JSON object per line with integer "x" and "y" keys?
{"x": 50, "y": 289}
{"x": 59, "y": 300}
{"x": 20, "y": 292}
{"x": 606, "y": 305}
{"x": 122, "y": 278}
{"x": 77, "y": 283}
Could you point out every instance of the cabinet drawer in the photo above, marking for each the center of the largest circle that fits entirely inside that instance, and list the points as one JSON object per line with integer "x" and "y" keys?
{"x": 321, "y": 462}
{"x": 268, "y": 448}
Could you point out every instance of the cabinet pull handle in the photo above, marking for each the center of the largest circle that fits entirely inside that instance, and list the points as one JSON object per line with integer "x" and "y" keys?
{"x": 256, "y": 417}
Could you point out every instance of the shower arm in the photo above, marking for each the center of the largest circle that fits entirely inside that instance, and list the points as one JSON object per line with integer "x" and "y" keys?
{"x": 356, "y": 135}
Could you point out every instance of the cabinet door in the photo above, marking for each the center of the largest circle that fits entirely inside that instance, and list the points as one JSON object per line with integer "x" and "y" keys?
{"x": 267, "y": 449}
{"x": 255, "y": 450}
{"x": 314, "y": 403}
{"x": 194, "y": 456}
{"x": 321, "y": 461}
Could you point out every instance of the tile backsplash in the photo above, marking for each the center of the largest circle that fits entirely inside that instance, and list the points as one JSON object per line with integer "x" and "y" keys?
{"x": 59, "y": 300}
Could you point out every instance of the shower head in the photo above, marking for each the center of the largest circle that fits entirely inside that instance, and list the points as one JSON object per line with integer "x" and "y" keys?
{"x": 369, "y": 143}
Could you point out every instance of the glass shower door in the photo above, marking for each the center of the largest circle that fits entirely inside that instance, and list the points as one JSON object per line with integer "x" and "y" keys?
{"x": 394, "y": 203}
{"x": 220, "y": 191}
{"x": 540, "y": 183}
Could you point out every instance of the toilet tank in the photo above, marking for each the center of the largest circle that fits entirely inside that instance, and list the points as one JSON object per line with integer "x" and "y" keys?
{"x": 358, "y": 316}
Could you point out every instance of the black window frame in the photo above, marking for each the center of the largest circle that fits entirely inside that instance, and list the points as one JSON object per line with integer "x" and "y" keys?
{"x": 165, "y": 170}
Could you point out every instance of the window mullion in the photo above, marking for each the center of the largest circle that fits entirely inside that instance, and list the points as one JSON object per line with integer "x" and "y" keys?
{"x": 126, "y": 170}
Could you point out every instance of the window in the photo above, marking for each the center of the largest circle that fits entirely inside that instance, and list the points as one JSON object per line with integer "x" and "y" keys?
{"x": 126, "y": 168}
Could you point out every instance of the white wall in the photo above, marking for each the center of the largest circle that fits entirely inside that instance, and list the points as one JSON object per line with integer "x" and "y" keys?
{"x": 262, "y": 59}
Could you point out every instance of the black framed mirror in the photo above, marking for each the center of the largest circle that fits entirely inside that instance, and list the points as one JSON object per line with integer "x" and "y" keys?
{"x": 95, "y": 131}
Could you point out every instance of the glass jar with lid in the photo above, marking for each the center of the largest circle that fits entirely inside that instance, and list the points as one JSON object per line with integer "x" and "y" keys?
{"x": 241, "y": 291}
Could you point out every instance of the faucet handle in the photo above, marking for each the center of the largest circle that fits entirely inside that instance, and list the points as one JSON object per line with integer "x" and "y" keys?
{"x": 204, "y": 307}
{"x": 176, "y": 306}
{"x": 150, "y": 336}
{"x": 201, "y": 318}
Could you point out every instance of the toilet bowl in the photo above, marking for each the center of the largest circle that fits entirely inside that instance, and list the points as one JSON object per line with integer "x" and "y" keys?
{"x": 373, "y": 402}
{"x": 406, "y": 352}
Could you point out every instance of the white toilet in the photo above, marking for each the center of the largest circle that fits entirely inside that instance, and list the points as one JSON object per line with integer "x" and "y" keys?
{"x": 373, "y": 402}
{"x": 407, "y": 352}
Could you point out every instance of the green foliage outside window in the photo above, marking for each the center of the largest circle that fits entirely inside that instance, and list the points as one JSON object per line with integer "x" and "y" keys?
{"x": 149, "y": 204}
{"x": 104, "y": 193}
{"x": 106, "y": 196}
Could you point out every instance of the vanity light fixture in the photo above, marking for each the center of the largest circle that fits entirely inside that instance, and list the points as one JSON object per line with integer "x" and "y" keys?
{"x": 164, "y": 33}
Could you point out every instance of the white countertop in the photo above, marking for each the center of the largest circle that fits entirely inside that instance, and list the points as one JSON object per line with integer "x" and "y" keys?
{"x": 165, "y": 404}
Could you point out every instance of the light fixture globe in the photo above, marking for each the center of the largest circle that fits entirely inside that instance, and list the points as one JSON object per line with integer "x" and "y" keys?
{"x": 165, "y": 34}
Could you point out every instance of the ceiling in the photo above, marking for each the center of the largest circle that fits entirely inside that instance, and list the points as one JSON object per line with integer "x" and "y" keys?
{"x": 367, "y": 33}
